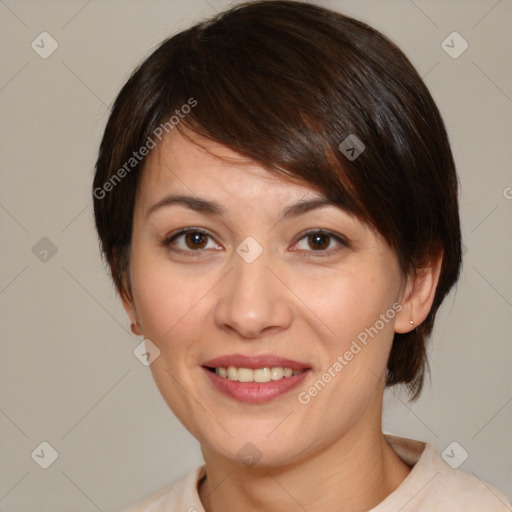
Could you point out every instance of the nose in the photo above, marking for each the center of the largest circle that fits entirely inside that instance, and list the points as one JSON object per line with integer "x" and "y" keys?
{"x": 253, "y": 300}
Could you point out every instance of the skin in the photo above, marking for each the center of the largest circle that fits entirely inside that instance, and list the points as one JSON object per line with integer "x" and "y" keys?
{"x": 292, "y": 302}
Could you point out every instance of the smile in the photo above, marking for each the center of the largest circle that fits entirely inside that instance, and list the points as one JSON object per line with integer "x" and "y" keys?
{"x": 265, "y": 374}
{"x": 254, "y": 379}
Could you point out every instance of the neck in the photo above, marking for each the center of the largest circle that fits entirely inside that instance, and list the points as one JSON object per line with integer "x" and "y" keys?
{"x": 353, "y": 474}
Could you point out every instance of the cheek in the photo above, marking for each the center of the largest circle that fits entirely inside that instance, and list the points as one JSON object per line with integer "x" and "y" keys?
{"x": 357, "y": 308}
{"x": 172, "y": 307}
{"x": 166, "y": 298}
{"x": 349, "y": 302}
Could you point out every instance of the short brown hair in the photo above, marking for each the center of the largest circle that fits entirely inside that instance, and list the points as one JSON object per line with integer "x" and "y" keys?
{"x": 285, "y": 83}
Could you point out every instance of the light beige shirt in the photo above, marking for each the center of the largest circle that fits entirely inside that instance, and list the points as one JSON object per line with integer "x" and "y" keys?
{"x": 431, "y": 486}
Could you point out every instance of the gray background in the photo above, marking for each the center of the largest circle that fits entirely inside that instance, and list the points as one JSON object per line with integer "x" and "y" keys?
{"x": 68, "y": 375}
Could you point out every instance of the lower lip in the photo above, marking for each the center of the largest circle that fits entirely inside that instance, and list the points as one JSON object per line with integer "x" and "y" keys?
{"x": 255, "y": 392}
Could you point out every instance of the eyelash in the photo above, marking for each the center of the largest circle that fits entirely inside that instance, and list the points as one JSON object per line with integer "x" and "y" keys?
{"x": 343, "y": 242}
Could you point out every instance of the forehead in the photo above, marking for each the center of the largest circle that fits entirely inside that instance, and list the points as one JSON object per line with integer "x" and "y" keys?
{"x": 195, "y": 165}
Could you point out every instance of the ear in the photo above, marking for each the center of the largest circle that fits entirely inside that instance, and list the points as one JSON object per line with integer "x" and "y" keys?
{"x": 418, "y": 295}
{"x": 126, "y": 298}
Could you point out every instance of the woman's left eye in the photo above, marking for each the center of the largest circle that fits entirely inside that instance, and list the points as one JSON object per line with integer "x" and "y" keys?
{"x": 320, "y": 241}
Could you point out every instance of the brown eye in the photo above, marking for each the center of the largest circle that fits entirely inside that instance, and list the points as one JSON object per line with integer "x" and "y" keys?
{"x": 319, "y": 241}
{"x": 324, "y": 243}
{"x": 192, "y": 240}
{"x": 196, "y": 240}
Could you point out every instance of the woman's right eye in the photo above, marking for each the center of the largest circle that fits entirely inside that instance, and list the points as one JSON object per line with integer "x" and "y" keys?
{"x": 190, "y": 240}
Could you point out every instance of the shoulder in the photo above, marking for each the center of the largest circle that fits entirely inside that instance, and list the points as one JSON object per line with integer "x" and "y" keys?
{"x": 452, "y": 488}
{"x": 433, "y": 485}
{"x": 182, "y": 496}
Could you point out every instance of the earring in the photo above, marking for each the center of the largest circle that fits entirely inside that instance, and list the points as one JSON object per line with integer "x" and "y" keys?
{"x": 411, "y": 322}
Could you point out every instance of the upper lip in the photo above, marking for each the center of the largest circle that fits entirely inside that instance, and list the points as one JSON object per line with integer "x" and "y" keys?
{"x": 260, "y": 361}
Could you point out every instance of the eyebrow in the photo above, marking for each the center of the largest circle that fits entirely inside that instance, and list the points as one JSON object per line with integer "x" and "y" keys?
{"x": 208, "y": 207}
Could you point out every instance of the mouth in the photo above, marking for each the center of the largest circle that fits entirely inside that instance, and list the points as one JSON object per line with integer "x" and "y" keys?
{"x": 255, "y": 380}
{"x": 265, "y": 374}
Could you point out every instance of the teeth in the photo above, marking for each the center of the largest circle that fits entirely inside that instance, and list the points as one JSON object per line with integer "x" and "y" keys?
{"x": 277, "y": 373}
{"x": 245, "y": 375}
{"x": 261, "y": 375}
{"x": 232, "y": 373}
{"x": 265, "y": 374}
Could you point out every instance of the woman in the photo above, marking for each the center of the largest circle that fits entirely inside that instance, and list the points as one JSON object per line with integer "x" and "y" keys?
{"x": 277, "y": 200}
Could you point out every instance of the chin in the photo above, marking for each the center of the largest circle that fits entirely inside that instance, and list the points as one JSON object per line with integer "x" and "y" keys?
{"x": 255, "y": 445}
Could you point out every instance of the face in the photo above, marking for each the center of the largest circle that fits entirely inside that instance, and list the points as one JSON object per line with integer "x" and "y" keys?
{"x": 251, "y": 282}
